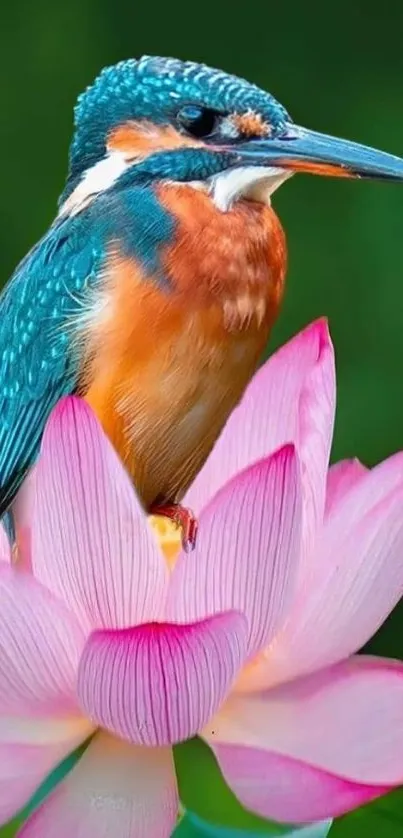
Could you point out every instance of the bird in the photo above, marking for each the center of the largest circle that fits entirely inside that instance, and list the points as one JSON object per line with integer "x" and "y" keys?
{"x": 153, "y": 293}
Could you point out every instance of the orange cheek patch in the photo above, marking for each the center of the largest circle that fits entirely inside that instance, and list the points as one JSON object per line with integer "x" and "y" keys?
{"x": 140, "y": 139}
{"x": 251, "y": 124}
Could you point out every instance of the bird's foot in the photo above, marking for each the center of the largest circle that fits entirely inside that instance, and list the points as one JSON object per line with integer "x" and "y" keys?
{"x": 182, "y": 518}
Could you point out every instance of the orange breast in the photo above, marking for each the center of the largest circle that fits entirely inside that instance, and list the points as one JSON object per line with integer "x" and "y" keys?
{"x": 165, "y": 368}
{"x": 226, "y": 258}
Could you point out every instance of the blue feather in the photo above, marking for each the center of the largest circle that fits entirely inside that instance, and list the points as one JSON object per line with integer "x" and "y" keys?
{"x": 41, "y": 308}
{"x": 37, "y": 364}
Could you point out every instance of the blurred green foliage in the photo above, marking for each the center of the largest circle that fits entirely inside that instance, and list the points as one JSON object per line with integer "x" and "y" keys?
{"x": 338, "y": 68}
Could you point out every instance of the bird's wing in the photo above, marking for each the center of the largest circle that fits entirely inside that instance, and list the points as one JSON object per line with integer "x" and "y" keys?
{"x": 38, "y": 364}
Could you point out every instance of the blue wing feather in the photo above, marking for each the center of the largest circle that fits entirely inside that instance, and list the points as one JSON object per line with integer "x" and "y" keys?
{"x": 38, "y": 365}
{"x": 41, "y": 304}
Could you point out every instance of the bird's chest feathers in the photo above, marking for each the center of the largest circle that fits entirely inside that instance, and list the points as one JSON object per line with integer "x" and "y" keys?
{"x": 213, "y": 292}
{"x": 168, "y": 360}
{"x": 231, "y": 262}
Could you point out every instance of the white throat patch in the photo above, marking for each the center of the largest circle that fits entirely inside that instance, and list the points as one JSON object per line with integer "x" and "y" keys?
{"x": 254, "y": 182}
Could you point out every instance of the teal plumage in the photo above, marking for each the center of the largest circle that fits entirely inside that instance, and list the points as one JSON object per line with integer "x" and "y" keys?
{"x": 37, "y": 365}
{"x": 142, "y": 129}
{"x": 42, "y": 309}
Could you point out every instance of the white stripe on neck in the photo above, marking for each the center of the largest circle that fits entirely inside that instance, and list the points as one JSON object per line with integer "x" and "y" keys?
{"x": 95, "y": 180}
{"x": 253, "y": 182}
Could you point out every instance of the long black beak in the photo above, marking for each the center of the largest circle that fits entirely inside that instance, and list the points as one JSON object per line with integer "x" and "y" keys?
{"x": 308, "y": 151}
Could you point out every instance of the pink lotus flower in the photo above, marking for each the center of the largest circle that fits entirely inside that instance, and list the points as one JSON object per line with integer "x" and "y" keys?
{"x": 248, "y": 641}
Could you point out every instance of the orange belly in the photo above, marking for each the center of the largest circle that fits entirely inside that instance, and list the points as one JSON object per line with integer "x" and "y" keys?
{"x": 167, "y": 367}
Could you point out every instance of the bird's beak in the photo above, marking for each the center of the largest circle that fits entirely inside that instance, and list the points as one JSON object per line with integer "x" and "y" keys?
{"x": 300, "y": 150}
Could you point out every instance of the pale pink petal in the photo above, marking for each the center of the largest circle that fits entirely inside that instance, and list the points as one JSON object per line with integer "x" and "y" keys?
{"x": 268, "y": 415}
{"x": 29, "y": 751}
{"x": 288, "y": 790}
{"x": 247, "y": 552}
{"x": 364, "y": 495}
{"x": 91, "y": 542}
{"x": 340, "y": 479}
{"x": 158, "y": 684}
{"x": 5, "y": 551}
{"x": 23, "y": 508}
{"x": 317, "y": 405}
{"x": 40, "y": 646}
{"x": 347, "y": 719}
{"x": 115, "y": 791}
{"x": 356, "y": 583}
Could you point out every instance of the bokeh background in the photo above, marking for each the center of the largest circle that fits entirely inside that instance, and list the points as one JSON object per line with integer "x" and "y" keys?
{"x": 338, "y": 67}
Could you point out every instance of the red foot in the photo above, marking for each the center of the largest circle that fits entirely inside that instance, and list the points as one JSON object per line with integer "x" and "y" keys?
{"x": 183, "y": 518}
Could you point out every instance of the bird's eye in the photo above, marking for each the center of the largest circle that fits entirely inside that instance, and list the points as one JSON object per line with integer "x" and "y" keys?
{"x": 197, "y": 121}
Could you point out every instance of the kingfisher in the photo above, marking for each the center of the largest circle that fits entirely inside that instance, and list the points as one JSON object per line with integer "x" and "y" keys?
{"x": 153, "y": 292}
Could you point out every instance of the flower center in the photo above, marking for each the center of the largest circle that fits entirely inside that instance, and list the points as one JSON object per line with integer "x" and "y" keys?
{"x": 169, "y": 537}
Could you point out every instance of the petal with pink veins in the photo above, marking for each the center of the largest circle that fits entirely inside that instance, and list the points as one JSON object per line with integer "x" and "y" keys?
{"x": 356, "y": 583}
{"x": 22, "y": 509}
{"x": 114, "y": 790}
{"x": 247, "y": 552}
{"x": 319, "y": 745}
{"x": 364, "y": 495}
{"x": 5, "y": 551}
{"x": 288, "y": 790}
{"x": 29, "y": 752}
{"x": 268, "y": 415}
{"x": 317, "y": 406}
{"x": 40, "y": 646}
{"x": 340, "y": 479}
{"x": 91, "y": 542}
{"x": 159, "y": 684}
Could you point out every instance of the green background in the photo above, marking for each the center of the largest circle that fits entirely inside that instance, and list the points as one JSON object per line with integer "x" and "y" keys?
{"x": 338, "y": 68}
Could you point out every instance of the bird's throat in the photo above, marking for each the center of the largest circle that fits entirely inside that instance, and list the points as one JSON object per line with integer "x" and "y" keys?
{"x": 235, "y": 260}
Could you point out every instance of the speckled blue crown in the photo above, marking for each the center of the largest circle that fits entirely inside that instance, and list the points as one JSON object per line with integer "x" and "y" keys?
{"x": 155, "y": 88}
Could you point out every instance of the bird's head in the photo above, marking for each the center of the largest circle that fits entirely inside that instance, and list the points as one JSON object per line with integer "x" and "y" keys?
{"x": 161, "y": 118}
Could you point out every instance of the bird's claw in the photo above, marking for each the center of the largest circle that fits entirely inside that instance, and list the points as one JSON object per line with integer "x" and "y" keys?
{"x": 182, "y": 518}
